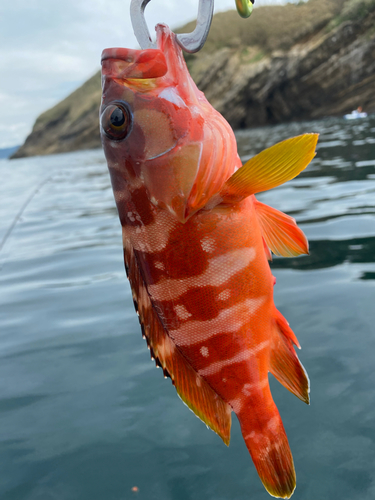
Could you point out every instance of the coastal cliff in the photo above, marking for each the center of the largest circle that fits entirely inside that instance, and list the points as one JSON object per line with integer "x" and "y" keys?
{"x": 291, "y": 62}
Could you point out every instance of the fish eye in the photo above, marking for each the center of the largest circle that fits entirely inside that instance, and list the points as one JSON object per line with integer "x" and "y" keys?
{"x": 116, "y": 121}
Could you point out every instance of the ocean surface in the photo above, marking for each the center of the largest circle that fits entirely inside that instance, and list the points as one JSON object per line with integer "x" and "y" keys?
{"x": 84, "y": 413}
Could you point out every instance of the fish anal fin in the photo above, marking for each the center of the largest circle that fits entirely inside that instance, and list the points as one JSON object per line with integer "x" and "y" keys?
{"x": 191, "y": 387}
{"x": 280, "y": 231}
{"x": 284, "y": 363}
{"x": 270, "y": 168}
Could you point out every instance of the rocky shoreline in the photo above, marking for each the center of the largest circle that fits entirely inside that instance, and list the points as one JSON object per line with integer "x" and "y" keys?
{"x": 330, "y": 74}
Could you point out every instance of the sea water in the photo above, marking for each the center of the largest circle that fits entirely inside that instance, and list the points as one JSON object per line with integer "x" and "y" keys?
{"x": 84, "y": 413}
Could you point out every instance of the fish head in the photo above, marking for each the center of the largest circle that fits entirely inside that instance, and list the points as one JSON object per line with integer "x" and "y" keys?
{"x": 158, "y": 129}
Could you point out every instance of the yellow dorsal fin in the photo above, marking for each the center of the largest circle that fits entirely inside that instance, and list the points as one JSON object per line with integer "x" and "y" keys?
{"x": 191, "y": 387}
{"x": 280, "y": 232}
{"x": 270, "y": 168}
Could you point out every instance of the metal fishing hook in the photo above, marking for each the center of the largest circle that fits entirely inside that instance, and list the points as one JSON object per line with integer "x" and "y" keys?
{"x": 189, "y": 42}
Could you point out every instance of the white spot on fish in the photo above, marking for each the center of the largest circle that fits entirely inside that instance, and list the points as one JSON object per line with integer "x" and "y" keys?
{"x": 170, "y": 94}
{"x": 248, "y": 389}
{"x": 182, "y": 312}
{"x": 258, "y": 437}
{"x": 154, "y": 235}
{"x": 160, "y": 265}
{"x": 208, "y": 244}
{"x": 195, "y": 111}
{"x": 122, "y": 195}
{"x": 217, "y": 366}
{"x": 204, "y": 351}
{"x": 131, "y": 216}
{"x": 236, "y": 404}
{"x": 273, "y": 423}
{"x": 224, "y": 295}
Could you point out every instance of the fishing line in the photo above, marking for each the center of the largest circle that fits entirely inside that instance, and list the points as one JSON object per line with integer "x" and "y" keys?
{"x": 21, "y": 211}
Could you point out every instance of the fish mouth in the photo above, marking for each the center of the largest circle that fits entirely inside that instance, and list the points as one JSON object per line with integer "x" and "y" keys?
{"x": 121, "y": 63}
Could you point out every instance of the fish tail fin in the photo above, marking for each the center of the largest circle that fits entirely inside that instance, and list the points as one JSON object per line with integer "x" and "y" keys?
{"x": 266, "y": 440}
{"x": 284, "y": 363}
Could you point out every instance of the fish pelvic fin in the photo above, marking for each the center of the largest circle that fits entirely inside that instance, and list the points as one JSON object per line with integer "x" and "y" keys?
{"x": 266, "y": 440}
{"x": 270, "y": 168}
{"x": 190, "y": 386}
{"x": 284, "y": 363}
{"x": 280, "y": 231}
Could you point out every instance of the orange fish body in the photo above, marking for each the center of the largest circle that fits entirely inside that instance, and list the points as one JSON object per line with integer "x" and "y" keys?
{"x": 196, "y": 243}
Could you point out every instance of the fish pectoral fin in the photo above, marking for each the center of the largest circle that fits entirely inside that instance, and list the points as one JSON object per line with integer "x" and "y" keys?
{"x": 284, "y": 363}
{"x": 191, "y": 387}
{"x": 270, "y": 168}
{"x": 280, "y": 232}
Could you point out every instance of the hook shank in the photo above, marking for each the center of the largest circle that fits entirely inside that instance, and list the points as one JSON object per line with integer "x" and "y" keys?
{"x": 190, "y": 42}
{"x": 194, "y": 41}
{"x": 137, "y": 16}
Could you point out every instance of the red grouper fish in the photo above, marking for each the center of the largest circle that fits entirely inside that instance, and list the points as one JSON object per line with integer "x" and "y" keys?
{"x": 196, "y": 243}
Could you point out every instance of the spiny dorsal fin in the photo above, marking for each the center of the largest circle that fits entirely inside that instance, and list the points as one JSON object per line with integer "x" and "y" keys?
{"x": 280, "y": 232}
{"x": 270, "y": 168}
{"x": 284, "y": 363}
{"x": 191, "y": 387}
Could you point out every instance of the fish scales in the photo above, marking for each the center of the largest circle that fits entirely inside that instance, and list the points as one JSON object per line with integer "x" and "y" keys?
{"x": 196, "y": 243}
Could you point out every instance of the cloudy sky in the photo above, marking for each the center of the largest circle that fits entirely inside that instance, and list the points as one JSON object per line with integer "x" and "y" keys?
{"x": 49, "y": 47}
